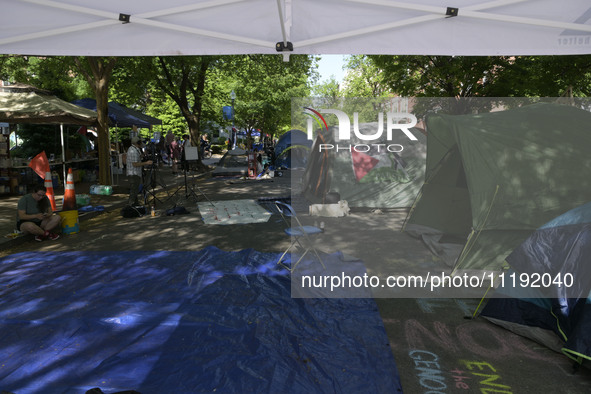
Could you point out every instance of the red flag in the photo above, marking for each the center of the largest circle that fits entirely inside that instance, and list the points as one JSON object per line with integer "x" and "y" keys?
{"x": 362, "y": 164}
{"x": 82, "y": 130}
{"x": 40, "y": 164}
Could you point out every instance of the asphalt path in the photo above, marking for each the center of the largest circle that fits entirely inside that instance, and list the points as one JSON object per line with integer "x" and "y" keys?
{"x": 438, "y": 347}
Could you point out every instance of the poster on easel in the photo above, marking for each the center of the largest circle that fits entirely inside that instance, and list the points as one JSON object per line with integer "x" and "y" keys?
{"x": 191, "y": 153}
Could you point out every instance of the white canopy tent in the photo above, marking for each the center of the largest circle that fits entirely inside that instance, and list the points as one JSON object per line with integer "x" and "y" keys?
{"x": 209, "y": 27}
{"x": 22, "y": 103}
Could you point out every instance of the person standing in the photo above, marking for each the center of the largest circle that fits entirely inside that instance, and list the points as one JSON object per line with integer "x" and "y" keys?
{"x": 185, "y": 144}
{"x": 175, "y": 148}
{"x": 203, "y": 145}
{"x": 160, "y": 151}
{"x": 187, "y": 141}
{"x": 232, "y": 143}
{"x": 169, "y": 139}
{"x": 34, "y": 215}
{"x": 259, "y": 159}
{"x": 134, "y": 169}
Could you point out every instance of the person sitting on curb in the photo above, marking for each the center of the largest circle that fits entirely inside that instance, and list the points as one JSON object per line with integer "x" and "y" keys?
{"x": 34, "y": 215}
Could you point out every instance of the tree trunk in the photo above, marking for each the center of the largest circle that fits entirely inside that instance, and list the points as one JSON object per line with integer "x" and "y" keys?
{"x": 104, "y": 144}
{"x": 182, "y": 85}
{"x": 193, "y": 123}
{"x": 194, "y": 132}
{"x": 98, "y": 79}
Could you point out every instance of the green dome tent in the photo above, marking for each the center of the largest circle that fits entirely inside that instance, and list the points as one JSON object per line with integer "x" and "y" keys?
{"x": 492, "y": 179}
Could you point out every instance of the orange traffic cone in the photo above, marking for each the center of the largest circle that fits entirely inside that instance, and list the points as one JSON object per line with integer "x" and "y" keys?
{"x": 69, "y": 193}
{"x": 49, "y": 190}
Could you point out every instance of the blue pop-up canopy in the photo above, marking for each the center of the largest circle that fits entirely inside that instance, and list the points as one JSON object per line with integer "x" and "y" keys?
{"x": 117, "y": 115}
{"x": 135, "y": 113}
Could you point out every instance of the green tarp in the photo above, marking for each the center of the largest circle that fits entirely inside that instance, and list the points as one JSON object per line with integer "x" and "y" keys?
{"x": 492, "y": 179}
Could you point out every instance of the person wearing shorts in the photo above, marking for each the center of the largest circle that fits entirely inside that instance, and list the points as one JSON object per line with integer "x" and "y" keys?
{"x": 34, "y": 215}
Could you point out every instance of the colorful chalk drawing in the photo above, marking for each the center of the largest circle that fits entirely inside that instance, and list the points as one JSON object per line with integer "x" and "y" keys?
{"x": 428, "y": 370}
{"x": 463, "y": 356}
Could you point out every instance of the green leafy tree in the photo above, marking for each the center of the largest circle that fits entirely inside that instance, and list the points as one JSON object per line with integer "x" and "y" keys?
{"x": 545, "y": 76}
{"x": 327, "y": 93}
{"x": 431, "y": 77}
{"x": 98, "y": 71}
{"x": 217, "y": 88}
{"x": 265, "y": 86}
{"x": 57, "y": 74}
{"x": 364, "y": 79}
{"x": 173, "y": 88}
{"x": 133, "y": 85}
{"x": 183, "y": 79}
{"x": 440, "y": 76}
{"x": 54, "y": 74}
{"x": 198, "y": 86}
{"x": 165, "y": 109}
{"x": 329, "y": 90}
{"x": 463, "y": 77}
{"x": 362, "y": 91}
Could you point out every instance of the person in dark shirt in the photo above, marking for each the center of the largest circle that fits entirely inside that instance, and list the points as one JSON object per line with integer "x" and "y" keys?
{"x": 34, "y": 215}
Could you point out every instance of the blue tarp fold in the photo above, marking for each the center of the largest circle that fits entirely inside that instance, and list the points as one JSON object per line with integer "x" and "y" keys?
{"x": 179, "y": 322}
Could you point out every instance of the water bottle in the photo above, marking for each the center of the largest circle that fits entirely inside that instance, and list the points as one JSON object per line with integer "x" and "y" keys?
{"x": 104, "y": 190}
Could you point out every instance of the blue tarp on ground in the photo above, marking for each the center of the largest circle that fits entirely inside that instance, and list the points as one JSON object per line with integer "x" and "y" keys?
{"x": 181, "y": 322}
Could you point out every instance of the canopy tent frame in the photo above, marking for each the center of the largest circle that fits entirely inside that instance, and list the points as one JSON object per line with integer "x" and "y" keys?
{"x": 293, "y": 14}
{"x": 61, "y": 113}
{"x": 434, "y": 13}
{"x": 120, "y": 116}
{"x": 112, "y": 18}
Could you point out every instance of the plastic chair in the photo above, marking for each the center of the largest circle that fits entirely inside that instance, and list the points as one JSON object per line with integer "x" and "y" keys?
{"x": 297, "y": 232}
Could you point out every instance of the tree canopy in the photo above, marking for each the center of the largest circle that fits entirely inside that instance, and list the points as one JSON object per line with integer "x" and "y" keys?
{"x": 187, "y": 93}
{"x": 485, "y": 76}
